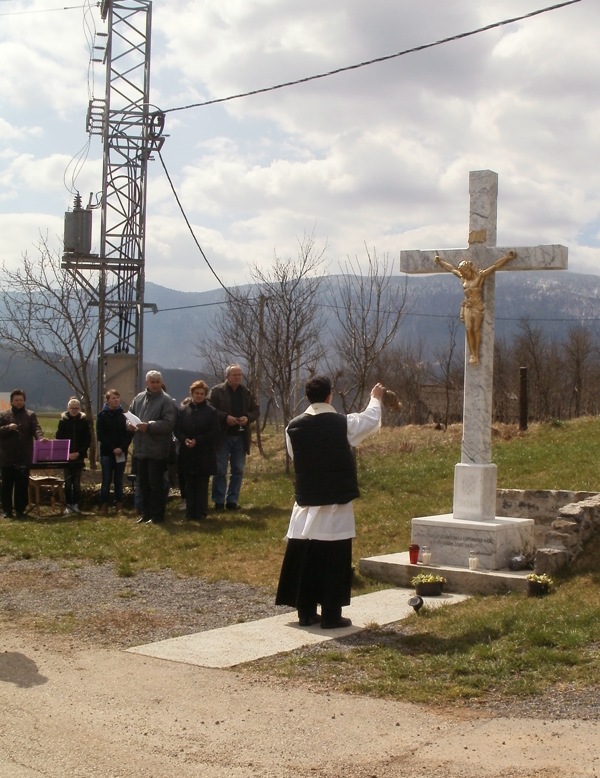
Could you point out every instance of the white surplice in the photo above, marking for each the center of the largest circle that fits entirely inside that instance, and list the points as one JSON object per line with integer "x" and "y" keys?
{"x": 333, "y": 522}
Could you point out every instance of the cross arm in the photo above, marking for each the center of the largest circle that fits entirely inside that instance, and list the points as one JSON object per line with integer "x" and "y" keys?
{"x": 551, "y": 257}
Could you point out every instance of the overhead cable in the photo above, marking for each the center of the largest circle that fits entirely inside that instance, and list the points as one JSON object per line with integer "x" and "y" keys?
{"x": 347, "y": 68}
{"x": 187, "y": 221}
{"x": 42, "y": 10}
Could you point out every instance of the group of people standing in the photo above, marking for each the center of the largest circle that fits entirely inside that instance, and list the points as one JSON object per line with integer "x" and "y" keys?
{"x": 210, "y": 431}
{"x": 213, "y": 435}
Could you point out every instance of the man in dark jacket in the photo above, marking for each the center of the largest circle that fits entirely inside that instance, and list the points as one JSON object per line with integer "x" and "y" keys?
{"x": 157, "y": 414}
{"x": 18, "y": 429}
{"x": 75, "y": 427}
{"x": 236, "y": 409}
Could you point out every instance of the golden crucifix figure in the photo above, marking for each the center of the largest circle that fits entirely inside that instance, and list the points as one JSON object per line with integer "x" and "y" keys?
{"x": 472, "y": 308}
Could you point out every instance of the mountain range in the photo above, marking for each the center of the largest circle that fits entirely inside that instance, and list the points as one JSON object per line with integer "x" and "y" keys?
{"x": 554, "y": 300}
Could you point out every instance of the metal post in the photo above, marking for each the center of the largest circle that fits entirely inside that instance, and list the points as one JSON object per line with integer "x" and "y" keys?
{"x": 523, "y": 399}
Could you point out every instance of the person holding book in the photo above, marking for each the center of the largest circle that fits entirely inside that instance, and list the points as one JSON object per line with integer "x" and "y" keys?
{"x": 113, "y": 440}
{"x": 151, "y": 418}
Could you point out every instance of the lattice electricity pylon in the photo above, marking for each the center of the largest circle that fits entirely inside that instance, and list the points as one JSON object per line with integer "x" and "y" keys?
{"x": 131, "y": 131}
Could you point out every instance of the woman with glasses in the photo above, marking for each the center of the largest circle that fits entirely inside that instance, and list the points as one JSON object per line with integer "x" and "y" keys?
{"x": 74, "y": 426}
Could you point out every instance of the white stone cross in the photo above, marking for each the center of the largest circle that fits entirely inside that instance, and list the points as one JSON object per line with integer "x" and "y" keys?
{"x": 475, "y": 476}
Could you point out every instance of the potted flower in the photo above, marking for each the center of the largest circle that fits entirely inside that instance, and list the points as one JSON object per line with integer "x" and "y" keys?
{"x": 428, "y": 584}
{"x": 538, "y": 584}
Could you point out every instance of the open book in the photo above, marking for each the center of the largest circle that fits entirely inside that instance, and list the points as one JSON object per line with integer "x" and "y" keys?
{"x": 51, "y": 451}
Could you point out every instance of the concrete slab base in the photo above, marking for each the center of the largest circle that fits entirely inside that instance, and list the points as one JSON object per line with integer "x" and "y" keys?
{"x": 246, "y": 642}
{"x": 396, "y": 569}
{"x": 450, "y": 540}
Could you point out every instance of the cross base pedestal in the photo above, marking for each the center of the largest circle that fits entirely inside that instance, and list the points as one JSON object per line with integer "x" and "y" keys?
{"x": 494, "y": 542}
{"x": 474, "y": 492}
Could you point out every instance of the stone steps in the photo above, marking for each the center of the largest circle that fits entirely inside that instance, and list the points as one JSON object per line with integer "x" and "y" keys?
{"x": 396, "y": 569}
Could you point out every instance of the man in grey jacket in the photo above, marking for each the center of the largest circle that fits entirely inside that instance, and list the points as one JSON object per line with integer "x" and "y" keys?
{"x": 151, "y": 444}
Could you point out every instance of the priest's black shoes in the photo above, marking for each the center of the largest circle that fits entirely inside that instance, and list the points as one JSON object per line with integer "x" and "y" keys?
{"x": 338, "y": 623}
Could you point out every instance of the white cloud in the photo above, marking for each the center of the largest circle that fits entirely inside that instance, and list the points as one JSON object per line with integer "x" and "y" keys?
{"x": 377, "y": 155}
{"x": 9, "y": 132}
{"x": 21, "y": 234}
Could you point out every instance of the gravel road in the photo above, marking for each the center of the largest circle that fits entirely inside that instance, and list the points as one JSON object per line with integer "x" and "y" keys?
{"x": 75, "y": 704}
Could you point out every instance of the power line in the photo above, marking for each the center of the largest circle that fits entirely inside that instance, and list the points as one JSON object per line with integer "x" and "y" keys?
{"x": 187, "y": 221}
{"x": 188, "y": 307}
{"x": 386, "y": 57}
{"x": 43, "y": 10}
{"x": 565, "y": 319}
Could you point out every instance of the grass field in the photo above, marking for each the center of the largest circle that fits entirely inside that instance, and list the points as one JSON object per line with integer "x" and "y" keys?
{"x": 500, "y": 645}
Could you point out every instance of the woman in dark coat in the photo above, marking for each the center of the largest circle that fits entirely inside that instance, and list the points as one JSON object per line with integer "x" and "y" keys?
{"x": 73, "y": 425}
{"x": 197, "y": 430}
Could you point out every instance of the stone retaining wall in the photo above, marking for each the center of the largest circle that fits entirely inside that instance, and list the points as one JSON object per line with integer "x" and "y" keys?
{"x": 564, "y": 521}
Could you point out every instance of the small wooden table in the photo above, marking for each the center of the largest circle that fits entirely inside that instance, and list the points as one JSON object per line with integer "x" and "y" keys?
{"x": 46, "y": 489}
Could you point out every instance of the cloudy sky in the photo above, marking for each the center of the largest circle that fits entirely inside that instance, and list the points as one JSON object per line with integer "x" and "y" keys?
{"x": 377, "y": 156}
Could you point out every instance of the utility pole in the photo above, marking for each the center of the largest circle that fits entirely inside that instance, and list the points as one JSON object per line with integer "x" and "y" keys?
{"x": 130, "y": 132}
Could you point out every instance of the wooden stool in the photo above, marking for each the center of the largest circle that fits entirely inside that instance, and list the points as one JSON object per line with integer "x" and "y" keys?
{"x": 50, "y": 487}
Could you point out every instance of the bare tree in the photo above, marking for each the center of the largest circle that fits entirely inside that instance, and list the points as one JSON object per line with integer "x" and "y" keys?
{"x": 235, "y": 336}
{"x": 579, "y": 355}
{"x": 536, "y": 351}
{"x": 369, "y": 309}
{"x": 273, "y": 329}
{"x": 449, "y": 370}
{"x": 237, "y": 340}
{"x": 405, "y": 371}
{"x": 506, "y": 382}
{"x": 289, "y": 324}
{"x": 48, "y": 318}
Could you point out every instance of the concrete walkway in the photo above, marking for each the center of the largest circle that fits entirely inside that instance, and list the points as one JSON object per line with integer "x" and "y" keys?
{"x": 246, "y": 642}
